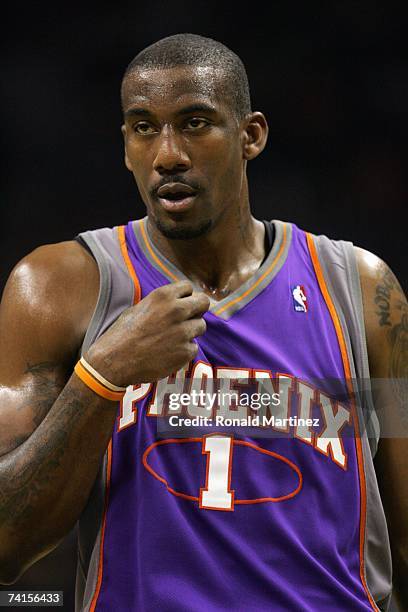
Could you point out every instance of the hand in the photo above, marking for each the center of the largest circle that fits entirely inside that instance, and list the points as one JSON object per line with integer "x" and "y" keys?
{"x": 152, "y": 339}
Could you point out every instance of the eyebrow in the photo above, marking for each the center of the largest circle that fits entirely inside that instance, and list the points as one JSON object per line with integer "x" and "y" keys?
{"x": 137, "y": 111}
{"x": 197, "y": 108}
{"x": 187, "y": 110}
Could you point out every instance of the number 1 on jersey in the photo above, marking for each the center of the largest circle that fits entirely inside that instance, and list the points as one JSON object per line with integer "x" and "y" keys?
{"x": 216, "y": 495}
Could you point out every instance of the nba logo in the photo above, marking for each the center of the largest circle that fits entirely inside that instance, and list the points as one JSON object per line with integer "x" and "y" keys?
{"x": 299, "y": 298}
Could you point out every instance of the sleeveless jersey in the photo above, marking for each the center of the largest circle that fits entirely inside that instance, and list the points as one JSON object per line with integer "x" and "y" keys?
{"x": 279, "y": 514}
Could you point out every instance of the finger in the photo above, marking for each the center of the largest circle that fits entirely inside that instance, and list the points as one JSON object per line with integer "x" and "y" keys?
{"x": 174, "y": 290}
{"x": 195, "y": 305}
{"x": 193, "y": 350}
{"x": 195, "y": 327}
{"x": 181, "y": 288}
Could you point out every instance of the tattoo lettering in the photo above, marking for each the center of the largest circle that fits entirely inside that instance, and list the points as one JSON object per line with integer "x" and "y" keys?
{"x": 383, "y": 297}
{"x": 399, "y": 359}
{"x": 392, "y": 310}
{"x": 383, "y": 294}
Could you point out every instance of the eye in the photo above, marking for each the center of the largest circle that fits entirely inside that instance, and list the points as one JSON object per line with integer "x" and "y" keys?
{"x": 143, "y": 127}
{"x": 196, "y": 123}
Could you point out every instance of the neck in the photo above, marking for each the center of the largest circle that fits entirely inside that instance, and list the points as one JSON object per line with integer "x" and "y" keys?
{"x": 224, "y": 258}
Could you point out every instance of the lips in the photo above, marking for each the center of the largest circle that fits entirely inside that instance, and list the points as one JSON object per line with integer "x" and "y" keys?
{"x": 175, "y": 191}
{"x": 176, "y": 197}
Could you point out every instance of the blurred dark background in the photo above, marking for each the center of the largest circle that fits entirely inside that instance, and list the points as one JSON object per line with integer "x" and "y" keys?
{"x": 330, "y": 77}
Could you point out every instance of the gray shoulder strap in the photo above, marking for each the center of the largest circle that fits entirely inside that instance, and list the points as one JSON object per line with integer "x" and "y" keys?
{"x": 340, "y": 268}
{"x": 116, "y": 288}
{"x": 116, "y": 293}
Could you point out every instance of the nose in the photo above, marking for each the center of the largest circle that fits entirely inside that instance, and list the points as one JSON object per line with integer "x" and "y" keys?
{"x": 171, "y": 155}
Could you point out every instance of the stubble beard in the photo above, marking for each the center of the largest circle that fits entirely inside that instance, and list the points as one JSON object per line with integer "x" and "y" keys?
{"x": 186, "y": 232}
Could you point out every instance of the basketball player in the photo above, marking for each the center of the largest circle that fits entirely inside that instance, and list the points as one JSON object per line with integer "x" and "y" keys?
{"x": 196, "y": 293}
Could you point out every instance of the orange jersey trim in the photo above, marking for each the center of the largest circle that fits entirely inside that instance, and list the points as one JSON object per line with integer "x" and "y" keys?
{"x": 238, "y": 298}
{"x": 136, "y": 299}
{"x": 347, "y": 372}
{"x": 100, "y": 566}
{"x": 260, "y": 279}
{"x": 131, "y": 270}
{"x": 154, "y": 256}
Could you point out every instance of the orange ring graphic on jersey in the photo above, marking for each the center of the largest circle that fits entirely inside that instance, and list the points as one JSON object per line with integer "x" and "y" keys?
{"x": 235, "y": 443}
{"x": 347, "y": 373}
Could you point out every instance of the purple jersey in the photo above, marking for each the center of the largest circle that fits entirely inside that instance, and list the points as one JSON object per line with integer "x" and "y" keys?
{"x": 213, "y": 505}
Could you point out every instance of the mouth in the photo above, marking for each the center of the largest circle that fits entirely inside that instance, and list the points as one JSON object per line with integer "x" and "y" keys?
{"x": 176, "y": 197}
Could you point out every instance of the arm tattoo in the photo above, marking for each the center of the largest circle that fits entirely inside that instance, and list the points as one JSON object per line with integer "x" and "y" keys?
{"x": 399, "y": 359}
{"x": 42, "y": 385}
{"x": 392, "y": 310}
{"x": 383, "y": 294}
{"x": 29, "y": 470}
{"x": 28, "y": 465}
{"x": 47, "y": 382}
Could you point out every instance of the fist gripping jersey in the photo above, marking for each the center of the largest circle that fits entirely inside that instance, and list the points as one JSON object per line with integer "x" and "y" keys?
{"x": 213, "y": 505}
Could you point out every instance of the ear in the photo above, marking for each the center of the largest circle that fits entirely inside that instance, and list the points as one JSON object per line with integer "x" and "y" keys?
{"x": 255, "y": 134}
{"x": 127, "y": 162}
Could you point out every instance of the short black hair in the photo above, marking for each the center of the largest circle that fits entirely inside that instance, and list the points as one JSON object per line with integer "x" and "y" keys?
{"x": 196, "y": 50}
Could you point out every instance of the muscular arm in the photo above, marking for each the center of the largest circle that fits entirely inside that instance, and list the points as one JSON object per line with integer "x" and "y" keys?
{"x": 386, "y": 322}
{"x": 44, "y": 313}
{"x": 53, "y": 429}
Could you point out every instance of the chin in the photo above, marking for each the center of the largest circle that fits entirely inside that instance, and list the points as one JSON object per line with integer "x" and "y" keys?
{"x": 183, "y": 231}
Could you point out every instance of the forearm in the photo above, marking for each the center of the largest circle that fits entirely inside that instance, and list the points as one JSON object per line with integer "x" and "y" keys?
{"x": 45, "y": 482}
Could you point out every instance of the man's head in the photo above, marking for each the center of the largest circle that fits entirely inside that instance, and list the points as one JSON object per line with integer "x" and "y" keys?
{"x": 189, "y": 131}
{"x": 194, "y": 50}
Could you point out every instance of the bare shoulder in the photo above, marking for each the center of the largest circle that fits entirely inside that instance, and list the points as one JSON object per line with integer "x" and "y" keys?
{"x": 60, "y": 265}
{"x": 45, "y": 310}
{"x": 49, "y": 299}
{"x": 385, "y": 311}
{"x": 372, "y": 268}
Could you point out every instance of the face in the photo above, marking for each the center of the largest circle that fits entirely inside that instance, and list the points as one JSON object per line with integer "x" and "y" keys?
{"x": 185, "y": 147}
